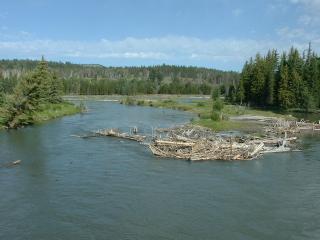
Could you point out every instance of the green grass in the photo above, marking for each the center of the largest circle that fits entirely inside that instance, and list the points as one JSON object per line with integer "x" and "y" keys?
{"x": 226, "y": 125}
{"x": 203, "y": 109}
{"x": 52, "y": 111}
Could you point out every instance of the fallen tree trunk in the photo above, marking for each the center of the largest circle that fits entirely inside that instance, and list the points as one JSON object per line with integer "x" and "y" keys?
{"x": 11, "y": 164}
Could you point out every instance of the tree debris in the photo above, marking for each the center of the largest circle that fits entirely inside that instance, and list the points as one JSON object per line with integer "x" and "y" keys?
{"x": 117, "y": 133}
{"x": 197, "y": 143}
{"x": 11, "y": 164}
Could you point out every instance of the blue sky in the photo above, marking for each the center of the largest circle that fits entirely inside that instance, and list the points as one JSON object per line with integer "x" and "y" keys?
{"x": 217, "y": 34}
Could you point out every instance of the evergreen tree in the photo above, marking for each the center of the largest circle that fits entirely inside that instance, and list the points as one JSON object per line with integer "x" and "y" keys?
{"x": 294, "y": 82}
{"x": 240, "y": 92}
{"x": 223, "y": 89}
{"x": 231, "y": 97}
{"x": 284, "y": 93}
{"x": 37, "y": 88}
{"x": 244, "y": 92}
{"x": 271, "y": 66}
{"x": 55, "y": 90}
{"x": 215, "y": 95}
{"x": 258, "y": 81}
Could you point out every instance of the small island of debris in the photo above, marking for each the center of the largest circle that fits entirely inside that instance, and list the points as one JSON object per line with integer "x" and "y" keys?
{"x": 195, "y": 143}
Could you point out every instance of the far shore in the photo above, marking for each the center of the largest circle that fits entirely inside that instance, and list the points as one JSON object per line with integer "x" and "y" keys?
{"x": 236, "y": 117}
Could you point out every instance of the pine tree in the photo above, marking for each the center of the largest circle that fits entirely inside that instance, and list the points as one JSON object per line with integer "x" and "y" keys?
{"x": 37, "y": 88}
{"x": 231, "y": 97}
{"x": 44, "y": 78}
{"x": 258, "y": 81}
{"x": 313, "y": 80}
{"x": 295, "y": 83}
{"x": 292, "y": 82}
{"x": 271, "y": 66}
{"x": 308, "y": 68}
{"x": 240, "y": 92}
{"x": 284, "y": 93}
{"x": 55, "y": 90}
{"x": 245, "y": 82}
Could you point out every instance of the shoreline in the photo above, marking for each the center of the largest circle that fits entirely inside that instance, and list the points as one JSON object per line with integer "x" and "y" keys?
{"x": 50, "y": 112}
{"x": 200, "y": 105}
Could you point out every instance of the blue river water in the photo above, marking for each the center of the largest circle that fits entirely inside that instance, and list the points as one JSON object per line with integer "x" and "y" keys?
{"x": 105, "y": 188}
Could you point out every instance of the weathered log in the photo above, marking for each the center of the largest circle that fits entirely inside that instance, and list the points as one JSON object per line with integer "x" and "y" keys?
{"x": 257, "y": 150}
{"x": 11, "y": 164}
{"x": 116, "y": 133}
{"x": 173, "y": 143}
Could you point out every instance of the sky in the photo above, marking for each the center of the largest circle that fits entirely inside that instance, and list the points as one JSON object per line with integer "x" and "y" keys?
{"x": 219, "y": 34}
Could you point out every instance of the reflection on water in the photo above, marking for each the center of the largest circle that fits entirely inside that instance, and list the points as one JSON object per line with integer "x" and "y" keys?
{"x": 105, "y": 188}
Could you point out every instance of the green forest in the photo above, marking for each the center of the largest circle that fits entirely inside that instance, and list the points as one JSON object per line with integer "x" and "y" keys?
{"x": 86, "y": 79}
{"x": 284, "y": 81}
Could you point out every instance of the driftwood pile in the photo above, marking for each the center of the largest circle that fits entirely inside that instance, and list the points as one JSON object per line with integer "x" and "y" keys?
{"x": 219, "y": 149}
{"x": 281, "y": 126}
{"x": 197, "y": 143}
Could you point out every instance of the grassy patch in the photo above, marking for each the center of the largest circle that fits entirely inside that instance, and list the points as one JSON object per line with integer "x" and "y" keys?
{"x": 225, "y": 125}
{"x": 51, "y": 111}
{"x": 203, "y": 109}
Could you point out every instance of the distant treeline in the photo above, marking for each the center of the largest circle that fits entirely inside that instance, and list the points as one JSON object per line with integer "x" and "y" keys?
{"x": 133, "y": 87}
{"x": 289, "y": 81}
{"x": 97, "y": 79}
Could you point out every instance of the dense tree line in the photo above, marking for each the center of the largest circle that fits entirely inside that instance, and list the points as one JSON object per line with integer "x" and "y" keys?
{"x": 132, "y": 87}
{"x": 291, "y": 80}
{"x": 97, "y": 79}
{"x": 31, "y": 93}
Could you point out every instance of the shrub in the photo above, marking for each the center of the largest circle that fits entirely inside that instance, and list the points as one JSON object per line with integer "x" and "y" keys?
{"x": 217, "y": 105}
{"x": 129, "y": 101}
{"x": 140, "y": 103}
{"x": 215, "y": 116}
{"x": 168, "y": 101}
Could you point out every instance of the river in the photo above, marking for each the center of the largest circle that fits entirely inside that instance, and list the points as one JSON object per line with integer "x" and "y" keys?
{"x": 105, "y": 188}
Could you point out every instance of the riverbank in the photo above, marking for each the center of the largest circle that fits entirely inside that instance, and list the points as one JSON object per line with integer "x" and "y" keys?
{"x": 51, "y": 111}
{"x": 202, "y": 107}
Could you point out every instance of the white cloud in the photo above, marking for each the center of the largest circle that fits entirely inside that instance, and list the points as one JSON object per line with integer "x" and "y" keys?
{"x": 300, "y": 34}
{"x": 277, "y": 7}
{"x": 169, "y": 49}
{"x": 312, "y": 4}
{"x": 311, "y": 8}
